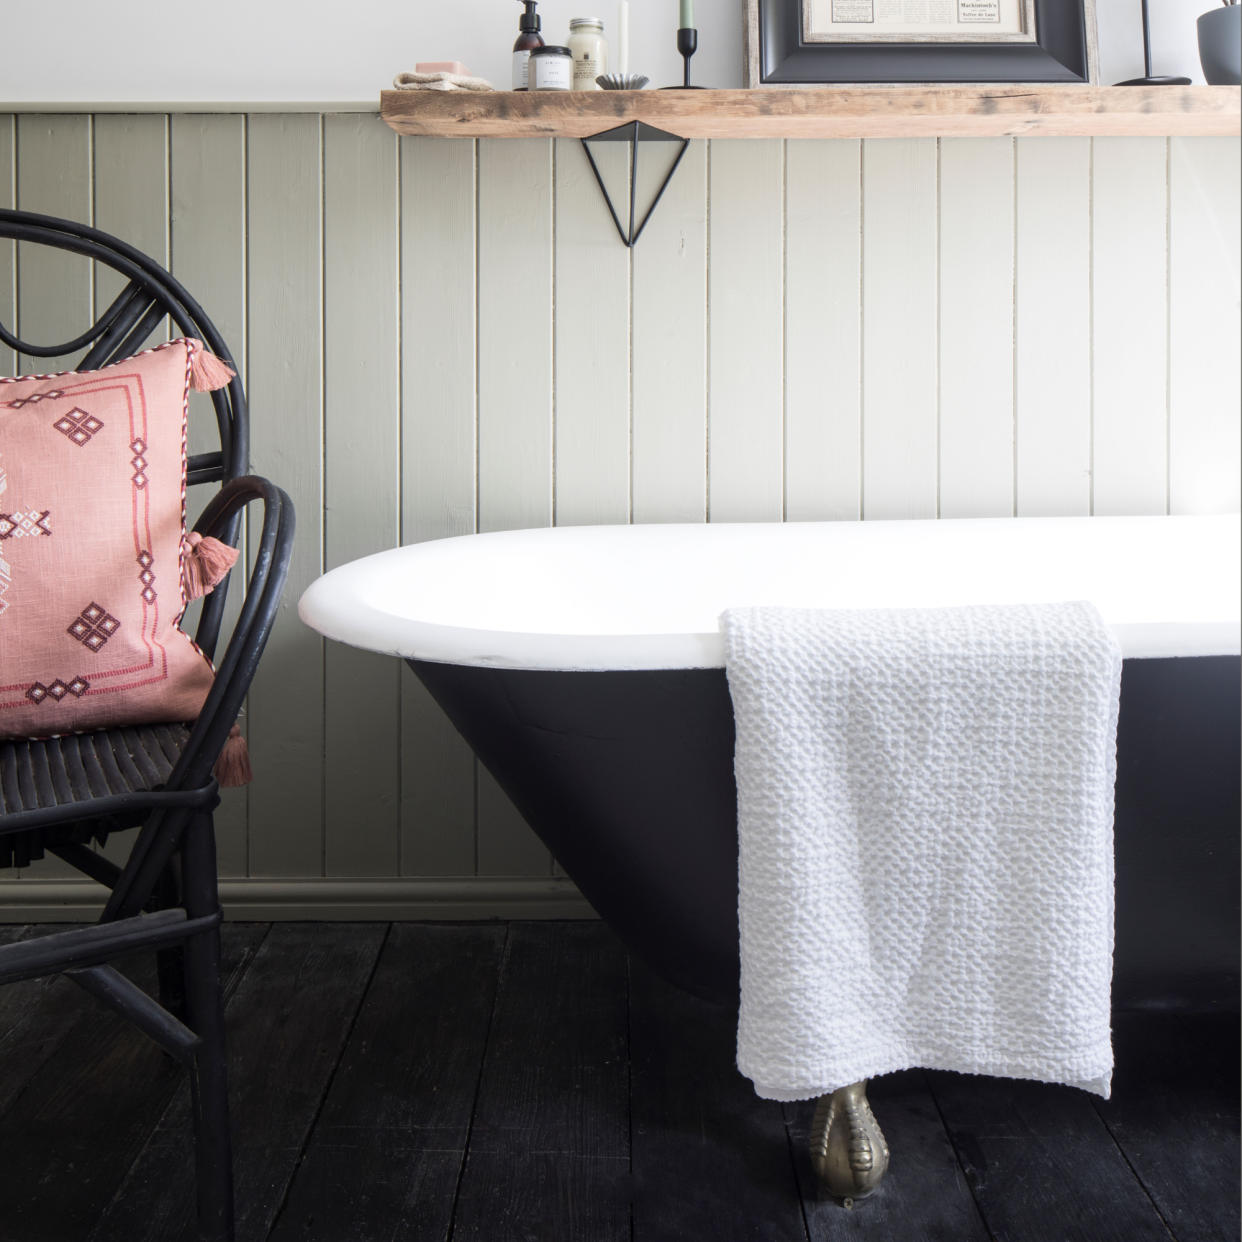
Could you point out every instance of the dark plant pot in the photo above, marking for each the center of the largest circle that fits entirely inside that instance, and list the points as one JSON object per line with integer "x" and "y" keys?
{"x": 1220, "y": 45}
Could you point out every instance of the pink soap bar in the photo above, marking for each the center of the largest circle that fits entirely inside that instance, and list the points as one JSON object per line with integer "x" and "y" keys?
{"x": 442, "y": 66}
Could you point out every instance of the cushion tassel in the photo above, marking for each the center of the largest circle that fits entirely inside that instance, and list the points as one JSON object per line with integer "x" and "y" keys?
{"x": 207, "y": 372}
{"x": 233, "y": 766}
{"x": 204, "y": 563}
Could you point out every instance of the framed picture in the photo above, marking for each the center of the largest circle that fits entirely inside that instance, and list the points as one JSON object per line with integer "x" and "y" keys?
{"x": 824, "y": 42}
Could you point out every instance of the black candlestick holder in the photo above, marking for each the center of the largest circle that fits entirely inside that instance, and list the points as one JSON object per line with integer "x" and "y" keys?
{"x": 687, "y": 45}
{"x": 1148, "y": 79}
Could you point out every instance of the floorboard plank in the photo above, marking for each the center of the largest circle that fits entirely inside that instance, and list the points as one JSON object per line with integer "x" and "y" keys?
{"x": 79, "y": 1121}
{"x": 1041, "y": 1164}
{"x": 385, "y": 1154}
{"x": 34, "y": 1018}
{"x": 1174, "y": 1113}
{"x": 711, "y": 1159}
{"x": 530, "y": 1084}
{"x": 286, "y": 1025}
{"x": 549, "y": 1145}
{"x": 924, "y": 1182}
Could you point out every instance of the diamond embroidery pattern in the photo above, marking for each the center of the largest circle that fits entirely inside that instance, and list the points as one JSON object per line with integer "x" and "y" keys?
{"x": 38, "y": 693}
{"x": 93, "y": 627}
{"x": 77, "y": 425}
{"x": 147, "y": 578}
{"x": 17, "y": 525}
{"x": 139, "y": 463}
{"x": 33, "y": 399}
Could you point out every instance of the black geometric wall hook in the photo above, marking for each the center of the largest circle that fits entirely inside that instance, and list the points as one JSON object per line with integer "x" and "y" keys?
{"x": 635, "y": 133}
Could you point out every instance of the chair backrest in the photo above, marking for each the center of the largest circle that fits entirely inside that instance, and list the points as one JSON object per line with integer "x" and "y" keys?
{"x": 149, "y": 294}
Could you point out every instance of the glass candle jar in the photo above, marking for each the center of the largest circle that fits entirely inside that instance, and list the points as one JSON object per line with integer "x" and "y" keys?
{"x": 589, "y": 49}
{"x": 551, "y": 69}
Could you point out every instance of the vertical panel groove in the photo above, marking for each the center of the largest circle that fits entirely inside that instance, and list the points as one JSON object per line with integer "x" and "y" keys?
{"x": 1091, "y": 324}
{"x": 707, "y": 351}
{"x": 782, "y": 329}
{"x": 1013, "y": 319}
{"x": 478, "y": 193}
{"x": 552, "y": 333}
{"x": 399, "y": 310}
{"x": 863, "y": 498}
{"x": 1168, "y": 325}
{"x": 323, "y": 473}
{"x": 939, "y": 264}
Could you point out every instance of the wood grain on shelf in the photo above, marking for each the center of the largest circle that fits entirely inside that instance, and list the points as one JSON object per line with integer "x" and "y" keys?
{"x": 838, "y": 112}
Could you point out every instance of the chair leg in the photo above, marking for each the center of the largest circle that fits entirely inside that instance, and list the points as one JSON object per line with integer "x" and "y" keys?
{"x": 205, "y": 1009}
{"x": 170, "y": 963}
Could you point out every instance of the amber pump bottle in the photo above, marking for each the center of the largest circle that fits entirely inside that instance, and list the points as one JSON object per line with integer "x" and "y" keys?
{"x": 528, "y": 39}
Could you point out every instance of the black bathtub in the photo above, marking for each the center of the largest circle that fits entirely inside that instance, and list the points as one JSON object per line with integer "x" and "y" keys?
{"x": 583, "y": 667}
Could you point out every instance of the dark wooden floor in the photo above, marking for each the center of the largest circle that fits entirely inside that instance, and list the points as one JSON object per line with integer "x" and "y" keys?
{"x": 526, "y": 1081}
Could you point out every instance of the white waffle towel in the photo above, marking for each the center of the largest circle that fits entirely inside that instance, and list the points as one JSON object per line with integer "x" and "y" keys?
{"x": 925, "y": 816}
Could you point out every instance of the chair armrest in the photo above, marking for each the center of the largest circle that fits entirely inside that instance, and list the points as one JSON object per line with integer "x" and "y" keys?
{"x": 264, "y": 588}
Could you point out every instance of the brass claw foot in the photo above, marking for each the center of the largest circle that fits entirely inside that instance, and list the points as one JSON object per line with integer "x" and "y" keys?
{"x": 848, "y": 1149}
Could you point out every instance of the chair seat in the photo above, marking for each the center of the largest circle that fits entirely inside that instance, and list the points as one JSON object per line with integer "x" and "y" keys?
{"x": 69, "y": 771}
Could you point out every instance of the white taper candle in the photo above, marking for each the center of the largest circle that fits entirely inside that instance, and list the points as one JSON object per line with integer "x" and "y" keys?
{"x": 623, "y": 37}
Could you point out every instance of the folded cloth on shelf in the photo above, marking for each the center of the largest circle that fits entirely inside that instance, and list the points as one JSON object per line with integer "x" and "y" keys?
{"x": 925, "y": 813}
{"x": 440, "y": 82}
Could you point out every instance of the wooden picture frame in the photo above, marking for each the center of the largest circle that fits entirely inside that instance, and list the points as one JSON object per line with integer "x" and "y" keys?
{"x": 1057, "y": 44}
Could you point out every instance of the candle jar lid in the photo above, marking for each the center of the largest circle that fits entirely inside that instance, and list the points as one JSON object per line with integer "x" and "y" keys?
{"x": 575, "y": 22}
{"x": 550, "y": 50}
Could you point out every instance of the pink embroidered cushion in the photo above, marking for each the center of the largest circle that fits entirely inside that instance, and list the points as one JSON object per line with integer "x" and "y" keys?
{"x": 92, "y": 501}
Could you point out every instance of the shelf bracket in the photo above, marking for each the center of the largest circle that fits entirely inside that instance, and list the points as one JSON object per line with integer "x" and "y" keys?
{"x": 635, "y": 133}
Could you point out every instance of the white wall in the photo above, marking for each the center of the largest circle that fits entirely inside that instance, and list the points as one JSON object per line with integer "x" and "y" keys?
{"x": 329, "y": 55}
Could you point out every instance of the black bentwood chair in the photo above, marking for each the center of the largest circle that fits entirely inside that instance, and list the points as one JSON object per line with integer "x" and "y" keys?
{"x": 60, "y": 795}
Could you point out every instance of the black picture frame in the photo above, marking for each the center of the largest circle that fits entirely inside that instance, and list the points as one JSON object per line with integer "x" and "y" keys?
{"x": 1063, "y": 51}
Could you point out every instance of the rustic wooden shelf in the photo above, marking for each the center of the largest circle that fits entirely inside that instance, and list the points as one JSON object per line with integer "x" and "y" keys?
{"x": 835, "y": 112}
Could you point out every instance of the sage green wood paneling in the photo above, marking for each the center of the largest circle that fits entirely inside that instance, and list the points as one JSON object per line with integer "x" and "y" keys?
{"x": 208, "y": 251}
{"x": 515, "y": 333}
{"x": 438, "y": 446}
{"x": 976, "y": 327}
{"x": 439, "y": 359}
{"x": 745, "y": 328}
{"x": 8, "y": 265}
{"x": 438, "y": 333}
{"x": 899, "y": 328}
{"x": 131, "y": 202}
{"x": 361, "y": 472}
{"x": 669, "y": 333}
{"x": 823, "y": 321}
{"x": 284, "y": 223}
{"x": 592, "y": 348}
{"x": 1052, "y": 293}
{"x": 1203, "y": 326}
{"x": 1129, "y": 325}
{"x": 515, "y": 404}
{"x": 54, "y": 289}
{"x": 131, "y": 195}
{"x": 505, "y": 843}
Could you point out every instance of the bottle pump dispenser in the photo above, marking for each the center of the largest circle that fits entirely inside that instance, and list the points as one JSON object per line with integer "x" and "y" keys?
{"x": 528, "y": 39}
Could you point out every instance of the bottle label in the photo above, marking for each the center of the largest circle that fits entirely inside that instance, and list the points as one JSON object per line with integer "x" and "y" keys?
{"x": 586, "y": 70}
{"x": 551, "y": 73}
{"x": 521, "y": 70}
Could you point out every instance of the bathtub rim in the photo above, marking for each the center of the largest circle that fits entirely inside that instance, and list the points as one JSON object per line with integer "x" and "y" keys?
{"x": 339, "y": 605}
